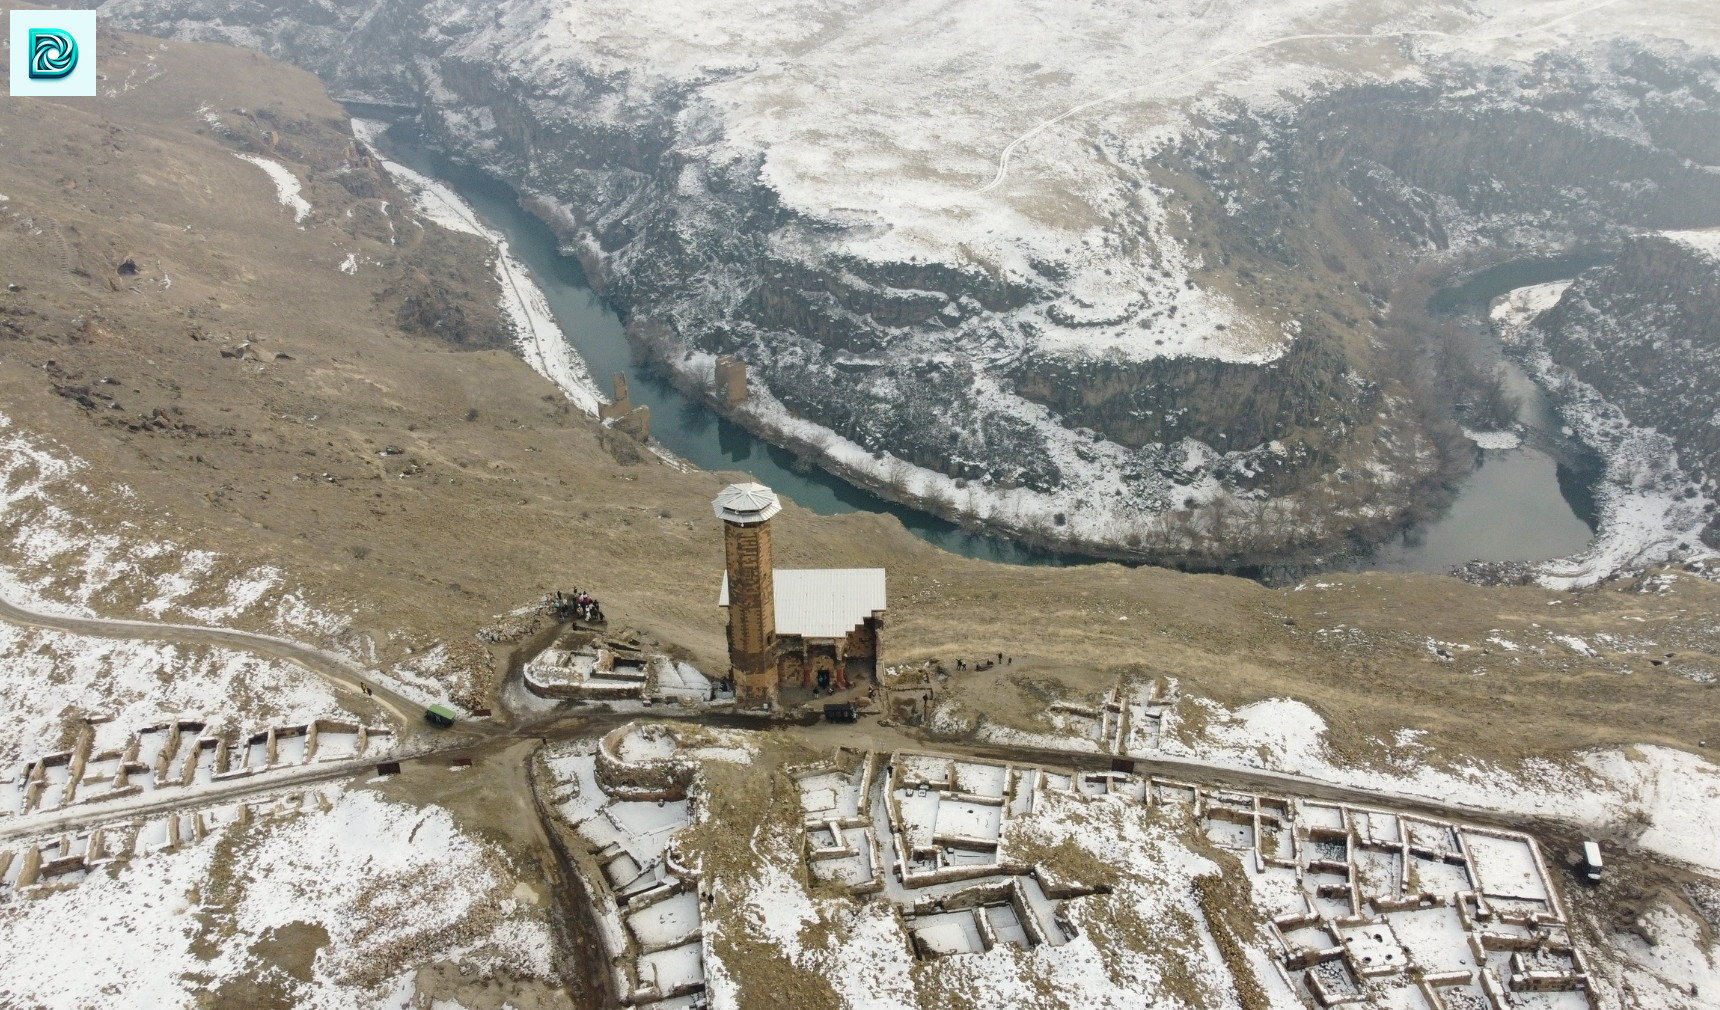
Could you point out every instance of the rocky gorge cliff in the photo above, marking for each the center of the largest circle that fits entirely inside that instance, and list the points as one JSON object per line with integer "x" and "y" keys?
{"x": 1184, "y": 320}
{"x": 1645, "y": 332}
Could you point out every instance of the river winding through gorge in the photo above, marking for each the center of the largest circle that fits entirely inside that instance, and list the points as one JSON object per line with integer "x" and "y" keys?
{"x": 1527, "y": 503}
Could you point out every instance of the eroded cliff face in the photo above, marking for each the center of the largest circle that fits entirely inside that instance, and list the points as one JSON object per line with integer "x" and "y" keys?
{"x": 1210, "y": 332}
{"x": 1645, "y": 332}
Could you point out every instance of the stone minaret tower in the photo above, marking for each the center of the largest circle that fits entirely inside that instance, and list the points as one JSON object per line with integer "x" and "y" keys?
{"x": 745, "y": 510}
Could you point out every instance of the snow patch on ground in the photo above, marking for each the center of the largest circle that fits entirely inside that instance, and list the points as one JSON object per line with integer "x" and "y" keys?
{"x": 195, "y": 566}
{"x": 1009, "y": 736}
{"x": 1678, "y": 957}
{"x": 376, "y": 875}
{"x": 58, "y": 563}
{"x": 434, "y": 878}
{"x": 1704, "y": 240}
{"x": 416, "y": 679}
{"x": 243, "y": 593}
{"x": 1494, "y": 439}
{"x": 1091, "y": 483}
{"x": 725, "y": 745}
{"x": 1519, "y": 307}
{"x": 48, "y": 676}
{"x": 27, "y": 471}
{"x": 1576, "y": 645}
{"x": 782, "y": 907}
{"x": 1679, "y": 793}
{"x": 286, "y": 185}
{"x": 539, "y": 337}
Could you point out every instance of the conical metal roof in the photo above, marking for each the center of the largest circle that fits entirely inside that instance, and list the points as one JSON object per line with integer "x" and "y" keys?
{"x": 746, "y": 503}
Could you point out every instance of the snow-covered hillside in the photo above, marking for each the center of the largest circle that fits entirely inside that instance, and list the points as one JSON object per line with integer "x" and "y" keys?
{"x": 1644, "y": 333}
{"x": 1014, "y": 252}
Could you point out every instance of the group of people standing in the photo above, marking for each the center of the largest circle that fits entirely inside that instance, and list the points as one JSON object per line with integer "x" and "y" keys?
{"x": 581, "y": 605}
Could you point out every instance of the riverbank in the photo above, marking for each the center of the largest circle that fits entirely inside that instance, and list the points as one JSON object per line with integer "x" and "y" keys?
{"x": 684, "y": 424}
{"x": 1649, "y": 510}
{"x": 825, "y": 473}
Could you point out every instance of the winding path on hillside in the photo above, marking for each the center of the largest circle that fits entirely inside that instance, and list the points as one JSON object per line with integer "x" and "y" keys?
{"x": 1075, "y": 110}
{"x": 337, "y": 670}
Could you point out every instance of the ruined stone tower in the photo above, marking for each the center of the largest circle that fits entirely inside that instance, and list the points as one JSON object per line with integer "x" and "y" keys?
{"x": 731, "y": 376}
{"x": 634, "y": 421}
{"x": 745, "y": 510}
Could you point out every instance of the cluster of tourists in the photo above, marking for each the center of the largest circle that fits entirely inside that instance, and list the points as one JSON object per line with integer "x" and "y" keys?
{"x": 580, "y": 605}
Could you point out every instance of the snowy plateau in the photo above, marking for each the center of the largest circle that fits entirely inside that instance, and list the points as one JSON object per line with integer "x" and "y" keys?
{"x": 1113, "y": 277}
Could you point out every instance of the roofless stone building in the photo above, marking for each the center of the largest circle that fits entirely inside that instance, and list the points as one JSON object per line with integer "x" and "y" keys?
{"x": 797, "y": 629}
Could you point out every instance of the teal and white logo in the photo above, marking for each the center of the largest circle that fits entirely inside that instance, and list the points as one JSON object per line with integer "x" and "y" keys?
{"x": 53, "y": 53}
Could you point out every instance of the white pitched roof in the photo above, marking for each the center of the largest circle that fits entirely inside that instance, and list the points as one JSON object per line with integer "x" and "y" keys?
{"x": 822, "y": 602}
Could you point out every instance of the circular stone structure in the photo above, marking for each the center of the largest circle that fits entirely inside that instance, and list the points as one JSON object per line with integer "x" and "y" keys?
{"x": 746, "y": 504}
{"x": 640, "y": 762}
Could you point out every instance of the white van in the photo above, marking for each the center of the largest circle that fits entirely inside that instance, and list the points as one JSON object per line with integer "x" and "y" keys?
{"x": 1591, "y": 867}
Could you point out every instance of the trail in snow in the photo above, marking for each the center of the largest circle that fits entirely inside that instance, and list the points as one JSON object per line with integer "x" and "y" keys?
{"x": 1075, "y": 110}
{"x": 335, "y": 669}
{"x": 540, "y": 338}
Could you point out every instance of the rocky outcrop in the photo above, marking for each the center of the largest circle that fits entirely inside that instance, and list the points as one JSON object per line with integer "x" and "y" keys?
{"x": 1645, "y": 332}
{"x": 1303, "y": 397}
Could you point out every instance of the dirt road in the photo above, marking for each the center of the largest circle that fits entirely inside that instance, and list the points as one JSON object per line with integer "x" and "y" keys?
{"x": 338, "y": 671}
{"x": 84, "y": 815}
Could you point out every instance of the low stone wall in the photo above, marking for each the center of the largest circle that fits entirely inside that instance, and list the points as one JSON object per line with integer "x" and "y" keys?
{"x": 583, "y": 690}
{"x": 659, "y": 779}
